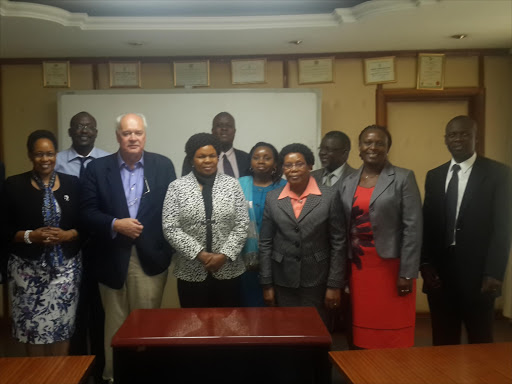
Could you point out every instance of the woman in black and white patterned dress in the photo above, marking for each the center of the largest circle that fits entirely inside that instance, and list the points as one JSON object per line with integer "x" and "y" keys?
{"x": 44, "y": 265}
{"x": 205, "y": 219}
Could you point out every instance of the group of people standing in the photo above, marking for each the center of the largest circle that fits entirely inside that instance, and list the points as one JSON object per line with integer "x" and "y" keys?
{"x": 242, "y": 235}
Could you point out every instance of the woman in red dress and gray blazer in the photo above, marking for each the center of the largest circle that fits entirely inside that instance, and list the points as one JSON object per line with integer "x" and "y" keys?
{"x": 382, "y": 207}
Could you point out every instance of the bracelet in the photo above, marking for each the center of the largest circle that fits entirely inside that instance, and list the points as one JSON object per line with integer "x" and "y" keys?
{"x": 26, "y": 237}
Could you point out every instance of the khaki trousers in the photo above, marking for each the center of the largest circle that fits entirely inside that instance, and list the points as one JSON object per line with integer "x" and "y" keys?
{"x": 140, "y": 291}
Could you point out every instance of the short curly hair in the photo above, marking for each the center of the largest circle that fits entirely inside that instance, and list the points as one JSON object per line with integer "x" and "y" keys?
{"x": 276, "y": 176}
{"x": 200, "y": 140}
{"x": 40, "y": 134}
{"x": 297, "y": 148}
{"x": 377, "y": 128}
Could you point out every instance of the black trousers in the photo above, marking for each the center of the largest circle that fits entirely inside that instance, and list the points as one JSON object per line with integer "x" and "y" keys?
{"x": 90, "y": 321}
{"x": 210, "y": 293}
{"x": 455, "y": 304}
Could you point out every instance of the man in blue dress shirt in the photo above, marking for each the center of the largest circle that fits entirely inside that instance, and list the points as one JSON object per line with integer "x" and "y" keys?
{"x": 83, "y": 132}
{"x": 121, "y": 207}
{"x": 90, "y": 317}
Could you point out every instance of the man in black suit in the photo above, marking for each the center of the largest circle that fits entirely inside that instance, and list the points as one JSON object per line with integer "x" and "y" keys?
{"x": 333, "y": 153}
{"x": 121, "y": 205}
{"x": 466, "y": 241}
{"x": 232, "y": 161}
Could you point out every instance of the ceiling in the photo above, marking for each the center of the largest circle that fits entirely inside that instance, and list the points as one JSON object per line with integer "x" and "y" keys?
{"x": 129, "y": 28}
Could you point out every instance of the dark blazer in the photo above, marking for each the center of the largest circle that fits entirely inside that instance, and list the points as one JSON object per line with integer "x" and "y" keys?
{"x": 304, "y": 252}
{"x": 103, "y": 199}
{"x": 23, "y": 203}
{"x": 395, "y": 215}
{"x": 483, "y": 228}
{"x": 318, "y": 174}
{"x": 243, "y": 162}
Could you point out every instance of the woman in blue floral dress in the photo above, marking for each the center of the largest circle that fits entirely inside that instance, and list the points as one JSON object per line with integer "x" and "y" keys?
{"x": 44, "y": 264}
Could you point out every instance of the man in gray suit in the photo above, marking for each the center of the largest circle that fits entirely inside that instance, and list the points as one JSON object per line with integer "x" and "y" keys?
{"x": 333, "y": 153}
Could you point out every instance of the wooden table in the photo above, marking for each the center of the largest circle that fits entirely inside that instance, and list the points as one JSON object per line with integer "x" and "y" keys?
{"x": 222, "y": 345}
{"x": 45, "y": 370}
{"x": 468, "y": 364}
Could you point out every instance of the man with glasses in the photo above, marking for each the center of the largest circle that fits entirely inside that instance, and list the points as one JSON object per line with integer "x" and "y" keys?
{"x": 90, "y": 316}
{"x": 333, "y": 153}
{"x": 121, "y": 206}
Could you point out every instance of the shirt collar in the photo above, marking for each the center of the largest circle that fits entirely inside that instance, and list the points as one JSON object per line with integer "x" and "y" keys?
{"x": 311, "y": 189}
{"x": 229, "y": 152}
{"x": 73, "y": 154}
{"x": 337, "y": 172}
{"x": 465, "y": 165}
{"x": 122, "y": 163}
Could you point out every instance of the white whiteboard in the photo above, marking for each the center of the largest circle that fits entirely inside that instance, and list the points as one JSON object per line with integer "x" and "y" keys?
{"x": 277, "y": 116}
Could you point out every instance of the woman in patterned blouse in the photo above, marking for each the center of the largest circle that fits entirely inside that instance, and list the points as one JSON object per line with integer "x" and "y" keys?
{"x": 205, "y": 219}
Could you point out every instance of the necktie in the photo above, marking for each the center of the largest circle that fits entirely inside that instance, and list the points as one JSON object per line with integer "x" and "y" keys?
{"x": 82, "y": 165}
{"x": 451, "y": 204}
{"x": 328, "y": 180}
{"x": 228, "y": 169}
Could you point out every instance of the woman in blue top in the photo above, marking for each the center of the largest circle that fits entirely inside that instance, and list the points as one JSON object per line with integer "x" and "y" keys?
{"x": 265, "y": 176}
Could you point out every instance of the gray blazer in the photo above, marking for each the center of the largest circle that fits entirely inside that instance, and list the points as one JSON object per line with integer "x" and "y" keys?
{"x": 318, "y": 174}
{"x": 395, "y": 215}
{"x": 304, "y": 252}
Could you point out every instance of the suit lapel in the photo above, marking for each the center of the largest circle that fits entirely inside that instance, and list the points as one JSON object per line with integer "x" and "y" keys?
{"x": 113, "y": 180}
{"x": 286, "y": 205}
{"x": 386, "y": 177}
{"x": 311, "y": 202}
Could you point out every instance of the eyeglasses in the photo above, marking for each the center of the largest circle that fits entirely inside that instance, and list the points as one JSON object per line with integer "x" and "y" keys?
{"x": 132, "y": 202}
{"x": 299, "y": 165}
{"x": 40, "y": 155}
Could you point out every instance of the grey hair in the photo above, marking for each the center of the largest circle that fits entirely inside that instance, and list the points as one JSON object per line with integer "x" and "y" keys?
{"x": 120, "y": 117}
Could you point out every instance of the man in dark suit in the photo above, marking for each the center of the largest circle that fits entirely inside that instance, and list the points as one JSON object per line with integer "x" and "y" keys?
{"x": 232, "y": 161}
{"x": 122, "y": 199}
{"x": 466, "y": 242}
{"x": 333, "y": 153}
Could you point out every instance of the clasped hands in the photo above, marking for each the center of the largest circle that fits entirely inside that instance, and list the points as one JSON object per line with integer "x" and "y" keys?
{"x": 52, "y": 235}
{"x": 212, "y": 262}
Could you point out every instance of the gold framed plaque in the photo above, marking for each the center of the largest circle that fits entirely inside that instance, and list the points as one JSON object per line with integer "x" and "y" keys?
{"x": 317, "y": 70}
{"x": 56, "y": 74}
{"x": 430, "y": 71}
{"x": 379, "y": 70}
{"x": 124, "y": 74}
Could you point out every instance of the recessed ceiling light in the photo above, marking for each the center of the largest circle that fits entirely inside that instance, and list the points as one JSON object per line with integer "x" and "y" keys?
{"x": 296, "y": 42}
{"x": 459, "y": 36}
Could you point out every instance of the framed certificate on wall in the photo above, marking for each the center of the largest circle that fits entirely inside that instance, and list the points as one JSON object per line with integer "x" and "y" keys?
{"x": 379, "y": 70}
{"x": 56, "y": 74}
{"x": 248, "y": 71}
{"x": 124, "y": 74}
{"x": 319, "y": 70}
{"x": 430, "y": 71}
{"x": 191, "y": 73}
